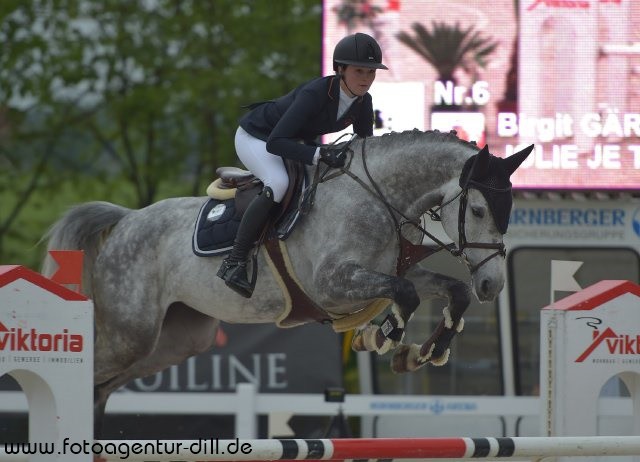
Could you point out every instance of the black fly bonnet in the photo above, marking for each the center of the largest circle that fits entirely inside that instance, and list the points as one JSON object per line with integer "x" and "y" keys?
{"x": 490, "y": 175}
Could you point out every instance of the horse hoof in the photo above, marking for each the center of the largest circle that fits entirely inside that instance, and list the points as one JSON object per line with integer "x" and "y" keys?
{"x": 399, "y": 360}
{"x": 365, "y": 339}
{"x": 407, "y": 359}
{"x": 442, "y": 360}
{"x": 357, "y": 343}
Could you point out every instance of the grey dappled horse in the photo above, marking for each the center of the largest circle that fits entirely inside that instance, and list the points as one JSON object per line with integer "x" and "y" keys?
{"x": 156, "y": 303}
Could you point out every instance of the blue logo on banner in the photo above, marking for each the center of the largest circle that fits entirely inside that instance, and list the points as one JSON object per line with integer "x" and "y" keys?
{"x": 636, "y": 222}
{"x": 436, "y": 406}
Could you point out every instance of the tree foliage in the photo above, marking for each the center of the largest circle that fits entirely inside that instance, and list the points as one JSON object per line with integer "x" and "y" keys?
{"x": 139, "y": 95}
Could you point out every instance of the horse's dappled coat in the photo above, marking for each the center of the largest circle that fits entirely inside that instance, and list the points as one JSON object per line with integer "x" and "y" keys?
{"x": 156, "y": 303}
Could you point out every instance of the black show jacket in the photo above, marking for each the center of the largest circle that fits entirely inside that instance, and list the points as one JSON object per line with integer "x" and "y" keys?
{"x": 305, "y": 113}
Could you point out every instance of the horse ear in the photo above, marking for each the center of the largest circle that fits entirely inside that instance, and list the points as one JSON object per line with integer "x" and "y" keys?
{"x": 512, "y": 162}
{"x": 481, "y": 164}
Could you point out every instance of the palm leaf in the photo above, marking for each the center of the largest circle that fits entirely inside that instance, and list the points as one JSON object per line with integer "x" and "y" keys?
{"x": 448, "y": 47}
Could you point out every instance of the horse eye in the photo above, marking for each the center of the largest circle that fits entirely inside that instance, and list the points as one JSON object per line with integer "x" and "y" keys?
{"x": 478, "y": 212}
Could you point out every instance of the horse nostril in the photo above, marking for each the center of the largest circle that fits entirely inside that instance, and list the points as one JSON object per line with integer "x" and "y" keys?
{"x": 485, "y": 286}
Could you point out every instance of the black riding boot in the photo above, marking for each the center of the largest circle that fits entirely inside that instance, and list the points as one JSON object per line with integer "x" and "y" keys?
{"x": 234, "y": 268}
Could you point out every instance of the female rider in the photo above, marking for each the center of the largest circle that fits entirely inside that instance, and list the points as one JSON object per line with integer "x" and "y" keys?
{"x": 273, "y": 130}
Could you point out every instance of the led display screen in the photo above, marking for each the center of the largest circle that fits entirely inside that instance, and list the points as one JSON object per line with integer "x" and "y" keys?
{"x": 561, "y": 74}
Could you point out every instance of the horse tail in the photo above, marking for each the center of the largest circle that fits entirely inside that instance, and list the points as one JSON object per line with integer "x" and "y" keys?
{"x": 84, "y": 227}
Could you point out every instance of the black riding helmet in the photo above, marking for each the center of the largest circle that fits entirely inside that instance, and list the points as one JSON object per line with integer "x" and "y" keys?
{"x": 358, "y": 50}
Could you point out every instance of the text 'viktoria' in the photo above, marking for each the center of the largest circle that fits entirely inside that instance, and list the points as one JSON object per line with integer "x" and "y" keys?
{"x": 18, "y": 339}
{"x": 615, "y": 344}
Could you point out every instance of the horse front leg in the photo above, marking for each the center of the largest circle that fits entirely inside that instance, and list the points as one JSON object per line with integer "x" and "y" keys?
{"x": 351, "y": 282}
{"x": 436, "y": 349}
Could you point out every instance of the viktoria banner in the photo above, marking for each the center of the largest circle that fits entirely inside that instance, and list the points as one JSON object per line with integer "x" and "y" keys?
{"x": 41, "y": 322}
{"x": 600, "y": 330}
{"x": 610, "y": 343}
{"x": 46, "y": 338}
{"x": 18, "y": 339}
{"x": 586, "y": 339}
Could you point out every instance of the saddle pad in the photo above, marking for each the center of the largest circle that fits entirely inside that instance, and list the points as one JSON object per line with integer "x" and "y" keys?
{"x": 216, "y": 227}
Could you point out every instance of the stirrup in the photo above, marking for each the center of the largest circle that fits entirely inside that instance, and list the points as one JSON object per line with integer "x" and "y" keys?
{"x": 235, "y": 277}
{"x": 227, "y": 267}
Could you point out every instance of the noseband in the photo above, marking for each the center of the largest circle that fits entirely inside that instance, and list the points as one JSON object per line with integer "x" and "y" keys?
{"x": 463, "y": 244}
{"x": 462, "y": 236}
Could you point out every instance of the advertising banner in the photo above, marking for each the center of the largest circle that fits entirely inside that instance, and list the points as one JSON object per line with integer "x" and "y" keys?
{"x": 563, "y": 75}
{"x": 304, "y": 359}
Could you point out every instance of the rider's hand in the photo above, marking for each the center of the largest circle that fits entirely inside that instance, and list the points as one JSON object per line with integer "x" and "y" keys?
{"x": 333, "y": 157}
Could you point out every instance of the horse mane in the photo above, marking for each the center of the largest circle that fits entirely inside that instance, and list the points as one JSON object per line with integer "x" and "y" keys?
{"x": 416, "y": 135}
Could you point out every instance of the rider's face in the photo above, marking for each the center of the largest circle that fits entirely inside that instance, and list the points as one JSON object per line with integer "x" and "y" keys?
{"x": 358, "y": 79}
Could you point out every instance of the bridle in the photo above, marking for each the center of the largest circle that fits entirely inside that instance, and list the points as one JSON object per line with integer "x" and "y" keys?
{"x": 374, "y": 189}
{"x": 463, "y": 243}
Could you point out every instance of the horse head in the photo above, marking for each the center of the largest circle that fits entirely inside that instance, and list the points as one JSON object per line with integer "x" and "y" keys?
{"x": 475, "y": 215}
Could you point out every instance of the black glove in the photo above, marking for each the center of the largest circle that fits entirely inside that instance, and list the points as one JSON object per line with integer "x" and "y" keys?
{"x": 333, "y": 157}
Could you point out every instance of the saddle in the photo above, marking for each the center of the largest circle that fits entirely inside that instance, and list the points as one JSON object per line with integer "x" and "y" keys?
{"x": 230, "y": 195}
{"x": 219, "y": 219}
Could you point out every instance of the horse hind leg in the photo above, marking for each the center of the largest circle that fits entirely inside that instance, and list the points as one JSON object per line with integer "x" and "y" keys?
{"x": 99, "y": 406}
{"x": 185, "y": 332}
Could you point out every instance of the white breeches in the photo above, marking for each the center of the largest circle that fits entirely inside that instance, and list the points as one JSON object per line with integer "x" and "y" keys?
{"x": 266, "y": 166}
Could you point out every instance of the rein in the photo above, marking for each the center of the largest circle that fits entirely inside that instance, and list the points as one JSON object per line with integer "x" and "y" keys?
{"x": 309, "y": 196}
{"x": 457, "y": 252}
